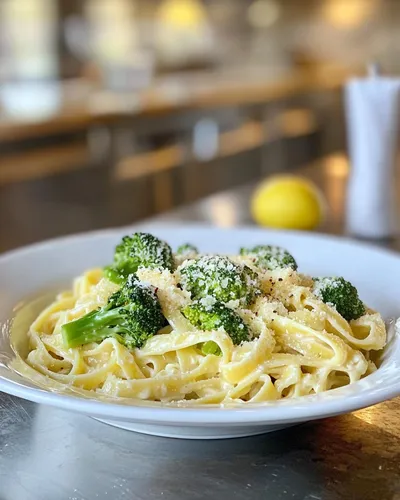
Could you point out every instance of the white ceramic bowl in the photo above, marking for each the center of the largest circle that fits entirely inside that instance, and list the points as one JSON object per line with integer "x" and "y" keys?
{"x": 375, "y": 272}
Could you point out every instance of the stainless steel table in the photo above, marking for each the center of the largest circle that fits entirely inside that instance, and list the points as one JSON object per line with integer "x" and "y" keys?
{"x": 49, "y": 454}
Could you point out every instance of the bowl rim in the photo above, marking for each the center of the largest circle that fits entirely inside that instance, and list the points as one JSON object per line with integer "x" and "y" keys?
{"x": 160, "y": 226}
{"x": 266, "y": 413}
{"x": 282, "y": 411}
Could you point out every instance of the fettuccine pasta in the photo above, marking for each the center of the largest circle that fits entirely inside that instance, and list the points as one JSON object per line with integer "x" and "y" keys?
{"x": 299, "y": 345}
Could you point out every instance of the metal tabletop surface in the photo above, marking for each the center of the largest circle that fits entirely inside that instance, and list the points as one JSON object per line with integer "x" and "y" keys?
{"x": 49, "y": 454}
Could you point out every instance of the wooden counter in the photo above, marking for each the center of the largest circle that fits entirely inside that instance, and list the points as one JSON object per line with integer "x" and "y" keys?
{"x": 78, "y": 106}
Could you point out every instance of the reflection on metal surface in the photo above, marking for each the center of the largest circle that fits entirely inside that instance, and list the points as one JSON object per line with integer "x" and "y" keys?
{"x": 381, "y": 418}
{"x": 49, "y": 454}
{"x": 369, "y": 415}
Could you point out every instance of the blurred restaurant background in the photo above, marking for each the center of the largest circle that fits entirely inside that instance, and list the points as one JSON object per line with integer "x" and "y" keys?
{"x": 112, "y": 111}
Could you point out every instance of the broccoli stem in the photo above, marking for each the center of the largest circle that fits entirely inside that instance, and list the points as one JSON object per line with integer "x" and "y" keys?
{"x": 211, "y": 347}
{"x": 114, "y": 275}
{"x": 93, "y": 327}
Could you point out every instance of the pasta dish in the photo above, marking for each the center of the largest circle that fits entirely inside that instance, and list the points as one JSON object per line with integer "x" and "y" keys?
{"x": 191, "y": 328}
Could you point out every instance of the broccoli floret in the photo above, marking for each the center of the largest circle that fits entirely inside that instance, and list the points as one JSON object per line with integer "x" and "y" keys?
{"x": 213, "y": 317}
{"x": 341, "y": 294}
{"x": 131, "y": 315}
{"x": 187, "y": 249}
{"x": 270, "y": 257}
{"x": 138, "y": 250}
{"x": 219, "y": 277}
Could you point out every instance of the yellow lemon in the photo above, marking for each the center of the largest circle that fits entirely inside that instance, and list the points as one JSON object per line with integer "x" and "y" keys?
{"x": 287, "y": 202}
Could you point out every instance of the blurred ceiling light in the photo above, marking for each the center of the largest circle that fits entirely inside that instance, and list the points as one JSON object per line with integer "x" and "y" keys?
{"x": 109, "y": 10}
{"x": 348, "y": 13}
{"x": 263, "y": 13}
{"x": 183, "y": 33}
{"x": 113, "y": 34}
{"x": 28, "y": 9}
{"x": 182, "y": 12}
{"x": 29, "y": 30}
